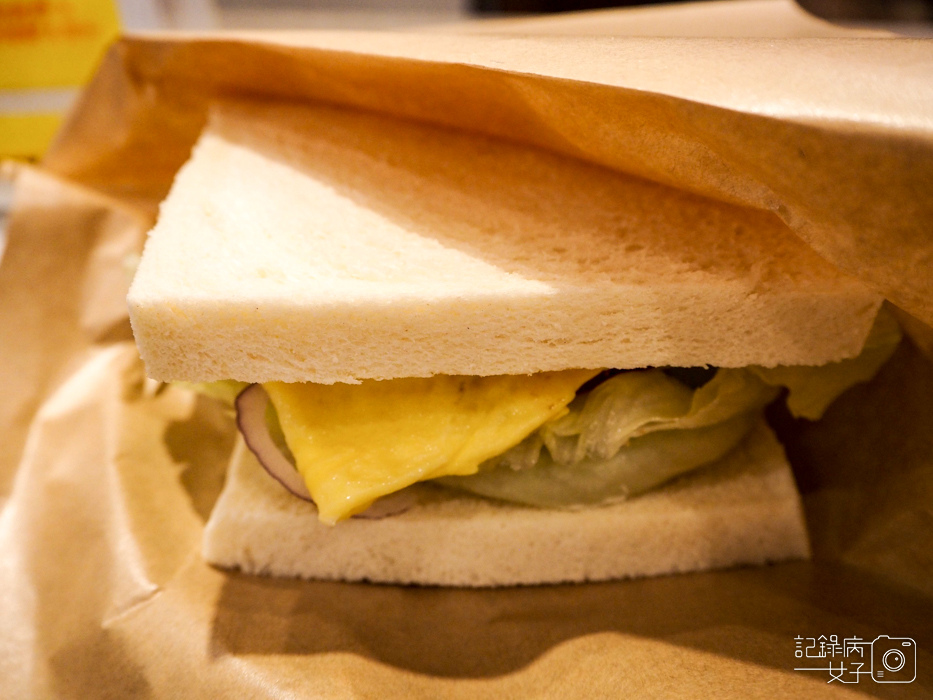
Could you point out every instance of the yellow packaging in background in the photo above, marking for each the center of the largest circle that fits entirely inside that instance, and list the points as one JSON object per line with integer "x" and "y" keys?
{"x": 48, "y": 50}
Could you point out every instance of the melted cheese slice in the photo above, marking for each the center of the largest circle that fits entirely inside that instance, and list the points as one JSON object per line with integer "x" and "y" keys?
{"x": 353, "y": 443}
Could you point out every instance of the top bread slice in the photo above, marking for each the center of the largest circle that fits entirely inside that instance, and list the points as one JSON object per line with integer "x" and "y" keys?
{"x": 311, "y": 243}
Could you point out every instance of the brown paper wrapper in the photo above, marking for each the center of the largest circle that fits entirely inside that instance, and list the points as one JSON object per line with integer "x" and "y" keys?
{"x": 833, "y": 135}
{"x": 106, "y": 478}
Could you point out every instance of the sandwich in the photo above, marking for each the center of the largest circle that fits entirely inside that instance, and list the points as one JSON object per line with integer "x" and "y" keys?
{"x": 462, "y": 361}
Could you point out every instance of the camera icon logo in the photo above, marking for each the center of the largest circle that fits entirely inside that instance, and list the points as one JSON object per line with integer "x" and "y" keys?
{"x": 893, "y": 659}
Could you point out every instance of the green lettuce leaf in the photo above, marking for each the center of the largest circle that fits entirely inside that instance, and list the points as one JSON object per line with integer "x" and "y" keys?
{"x": 812, "y": 389}
{"x": 626, "y": 436}
{"x": 644, "y": 463}
{"x": 639, "y": 429}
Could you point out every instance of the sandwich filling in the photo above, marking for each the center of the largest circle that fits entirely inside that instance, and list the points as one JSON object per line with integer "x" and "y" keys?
{"x": 566, "y": 439}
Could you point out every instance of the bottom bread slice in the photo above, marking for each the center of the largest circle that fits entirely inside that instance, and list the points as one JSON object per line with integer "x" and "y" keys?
{"x": 743, "y": 510}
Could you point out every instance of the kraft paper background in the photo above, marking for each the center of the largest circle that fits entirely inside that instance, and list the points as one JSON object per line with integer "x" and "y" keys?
{"x": 106, "y": 478}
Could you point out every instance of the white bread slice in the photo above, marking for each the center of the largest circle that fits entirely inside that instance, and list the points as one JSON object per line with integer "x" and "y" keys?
{"x": 309, "y": 243}
{"x": 743, "y": 510}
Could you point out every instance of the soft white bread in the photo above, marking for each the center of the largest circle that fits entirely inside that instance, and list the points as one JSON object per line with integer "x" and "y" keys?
{"x": 308, "y": 243}
{"x": 743, "y": 510}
